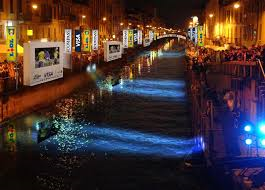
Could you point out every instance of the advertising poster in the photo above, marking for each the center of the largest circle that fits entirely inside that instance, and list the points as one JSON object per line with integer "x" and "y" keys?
{"x": 112, "y": 50}
{"x": 135, "y": 37}
{"x": 200, "y": 36}
{"x": 140, "y": 37}
{"x": 68, "y": 41}
{"x": 11, "y": 43}
{"x": 125, "y": 38}
{"x": 189, "y": 33}
{"x": 151, "y": 36}
{"x": 78, "y": 40}
{"x": 43, "y": 62}
{"x": 194, "y": 35}
{"x": 94, "y": 39}
{"x": 86, "y": 41}
{"x": 147, "y": 42}
{"x": 45, "y": 57}
{"x": 130, "y": 39}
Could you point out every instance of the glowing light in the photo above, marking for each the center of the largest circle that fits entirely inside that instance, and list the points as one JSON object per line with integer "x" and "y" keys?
{"x": 34, "y": 6}
{"x": 211, "y": 15}
{"x": 130, "y": 24}
{"x": 44, "y": 40}
{"x": 248, "y": 141}
{"x": 29, "y": 32}
{"x": 236, "y": 5}
{"x": 121, "y": 23}
{"x": 104, "y": 19}
{"x": 83, "y": 16}
{"x": 262, "y": 129}
{"x": 262, "y": 142}
{"x": 113, "y": 36}
{"x": 247, "y": 128}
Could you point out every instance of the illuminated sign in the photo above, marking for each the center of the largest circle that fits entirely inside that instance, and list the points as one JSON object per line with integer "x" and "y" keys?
{"x": 195, "y": 35}
{"x": 200, "y": 36}
{"x": 95, "y": 39}
{"x": 140, "y": 37}
{"x": 86, "y": 40}
{"x": 125, "y": 38}
{"x": 130, "y": 38}
{"x": 112, "y": 50}
{"x": 68, "y": 41}
{"x": 135, "y": 37}
{"x": 78, "y": 40}
{"x": 151, "y": 36}
{"x": 29, "y": 32}
{"x": 11, "y": 43}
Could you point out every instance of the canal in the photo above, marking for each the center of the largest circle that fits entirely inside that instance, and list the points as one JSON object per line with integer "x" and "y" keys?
{"x": 135, "y": 135}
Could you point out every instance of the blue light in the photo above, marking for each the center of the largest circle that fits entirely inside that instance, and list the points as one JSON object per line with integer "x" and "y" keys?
{"x": 247, "y": 128}
{"x": 262, "y": 129}
{"x": 262, "y": 142}
{"x": 248, "y": 141}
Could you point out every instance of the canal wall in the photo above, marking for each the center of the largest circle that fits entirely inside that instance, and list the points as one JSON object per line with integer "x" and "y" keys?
{"x": 32, "y": 98}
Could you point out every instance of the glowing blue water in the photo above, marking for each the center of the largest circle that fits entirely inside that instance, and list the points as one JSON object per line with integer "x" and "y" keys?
{"x": 172, "y": 90}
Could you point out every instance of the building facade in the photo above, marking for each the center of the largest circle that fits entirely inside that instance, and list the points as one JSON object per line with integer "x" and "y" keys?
{"x": 44, "y": 18}
{"x": 235, "y": 22}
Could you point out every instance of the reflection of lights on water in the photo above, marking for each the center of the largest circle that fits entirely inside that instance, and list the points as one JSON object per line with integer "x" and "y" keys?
{"x": 139, "y": 69}
{"x": 92, "y": 98}
{"x": 37, "y": 126}
{"x": 80, "y": 137}
{"x": 248, "y": 141}
{"x": 91, "y": 68}
{"x": 170, "y": 89}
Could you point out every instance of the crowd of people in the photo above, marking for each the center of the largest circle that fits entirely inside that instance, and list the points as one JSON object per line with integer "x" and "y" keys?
{"x": 242, "y": 54}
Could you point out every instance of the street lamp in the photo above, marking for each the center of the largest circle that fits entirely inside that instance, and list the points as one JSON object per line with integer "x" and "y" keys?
{"x": 236, "y": 5}
{"x": 211, "y": 15}
{"x": 104, "y": 19}
{"x": 121, "y": 23}
{"x": 83, "y": 16}
{"x": 34, "y": 6}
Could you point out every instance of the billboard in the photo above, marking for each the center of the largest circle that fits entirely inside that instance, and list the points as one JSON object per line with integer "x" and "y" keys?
{"x": 140, "y": 37}
{"x": 86, "y": 41}
{"x": 78, "y": 40}
{"x": 135, "y": 37}
{"x": 68, "y": 41}
{"x": 194, "y": 34}
{"x": 125, "y": 38}
{"x": 112, "y": 50}
{"x": 200, "y": 36}
{"x": 147, "y": 42}
{"x": 151, "y": 36}
{"x": 130, "y": 38}
{"x": 43, "y": 62}
{"x": 94, "y": 39}
{"x": 11, "y": 43}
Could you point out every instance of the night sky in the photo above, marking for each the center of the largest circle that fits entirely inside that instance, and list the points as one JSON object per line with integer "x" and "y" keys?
{"x": 175, "y": 13}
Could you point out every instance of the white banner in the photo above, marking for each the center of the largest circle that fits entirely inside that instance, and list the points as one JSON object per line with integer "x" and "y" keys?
{"x": 112, "y": 50}
{"x": 68, "y": 41}
{"x": 94, "y": 39}
{"x": 125, "y": 38}
{"x": 43, "y": 62}
{"x": 147, "y": 42}
{"x": 151, "y": 35}
{"x": 140, "y": 37}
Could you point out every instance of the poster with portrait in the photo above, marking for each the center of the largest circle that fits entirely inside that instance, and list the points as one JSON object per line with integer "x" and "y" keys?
{"x": 112, "y": 50}
{"x": 86, "y": 43}
{"x": 43, "y": 62}
{"x": 130, "y": 39}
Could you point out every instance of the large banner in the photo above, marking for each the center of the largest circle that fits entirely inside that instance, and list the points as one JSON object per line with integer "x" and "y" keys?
{"x": 130, "y": 39}
{"x": 11, "y": 43}
{"x": 151, "y": 36}
{"x": 140, "y": 37}
{"x": 112, "y": 50}
{"x": 200, "y": 36}
{"x": 125, "y": 38}
{"x": 94, "y": 39}
{"x": 43, "y": 62}
{"x": 135, "y": 37}
{"x": 86, "y": 41}
{"x": 78, "y": 40}
{"x": 147, "y": 42}
{"x": 195, "y": 35}
{"x": 68, "y": 41}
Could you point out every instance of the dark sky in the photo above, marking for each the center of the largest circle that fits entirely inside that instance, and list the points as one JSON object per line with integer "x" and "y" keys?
{"x": 174, "y": 12}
